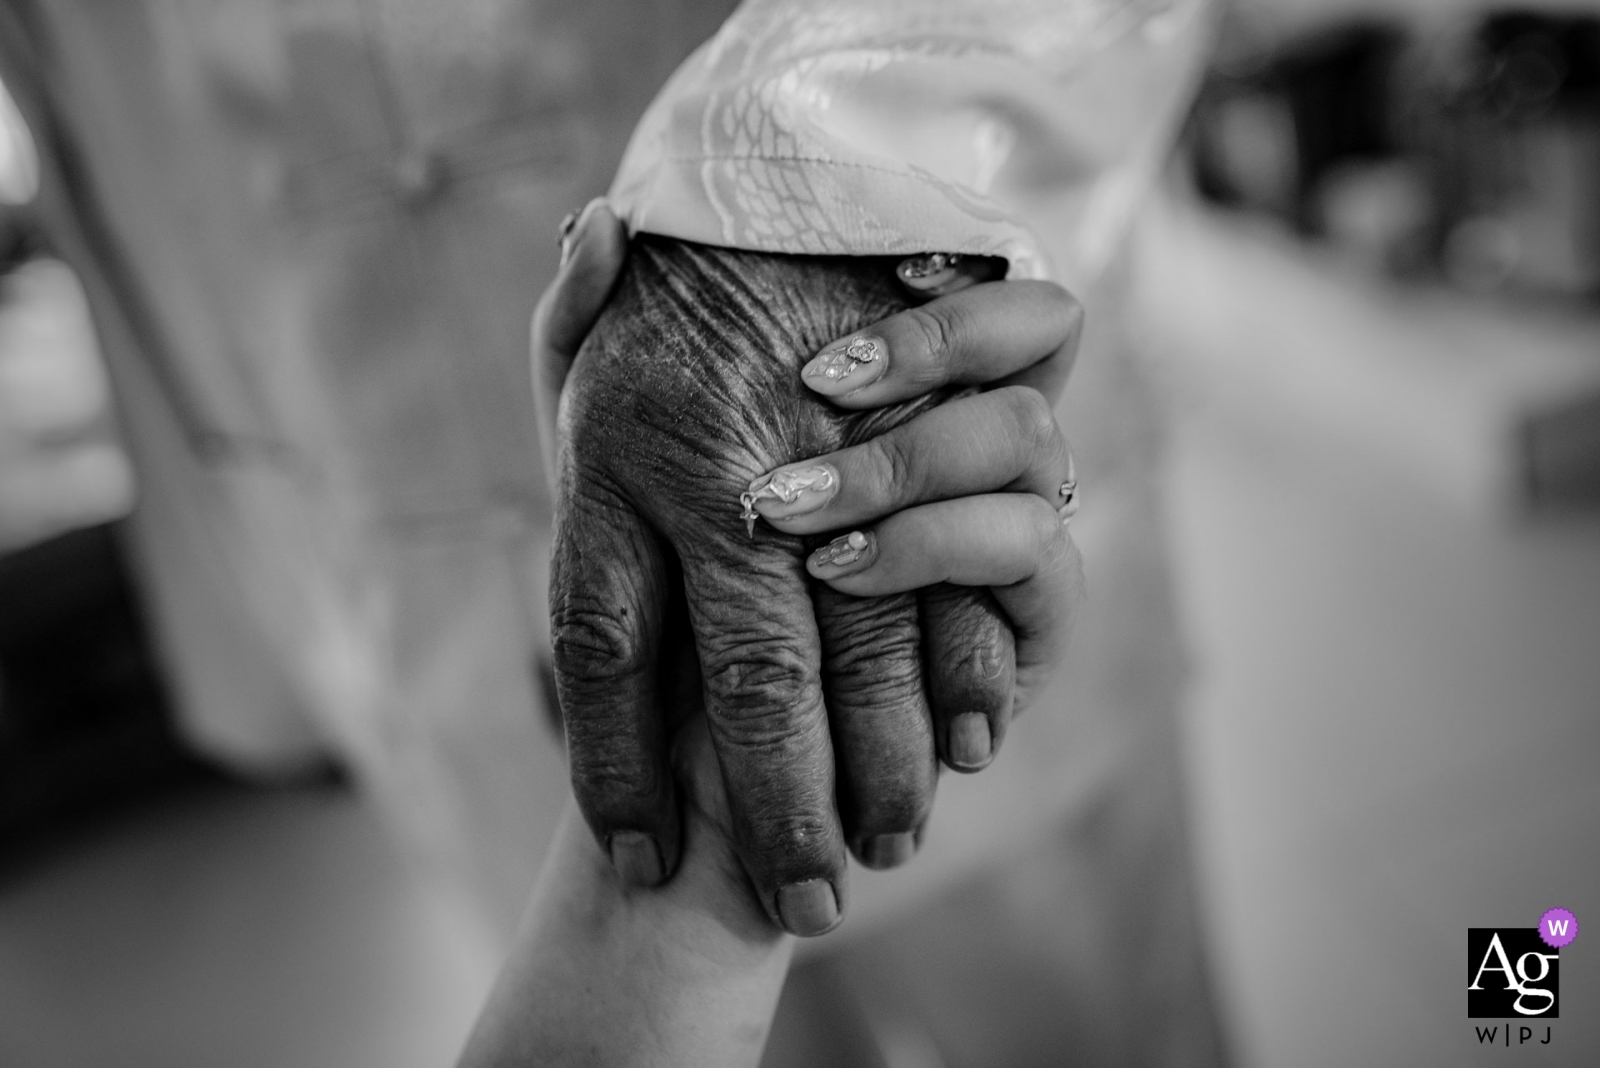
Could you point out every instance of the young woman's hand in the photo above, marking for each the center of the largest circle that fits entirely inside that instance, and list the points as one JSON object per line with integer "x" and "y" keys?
{"x": 685, "y": 974}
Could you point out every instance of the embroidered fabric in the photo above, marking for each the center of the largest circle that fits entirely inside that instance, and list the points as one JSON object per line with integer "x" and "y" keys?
{"x": 1024, "y": 129}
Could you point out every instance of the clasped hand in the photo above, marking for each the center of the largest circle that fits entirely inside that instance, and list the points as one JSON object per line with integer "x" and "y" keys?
{"x": 907, "y": 588}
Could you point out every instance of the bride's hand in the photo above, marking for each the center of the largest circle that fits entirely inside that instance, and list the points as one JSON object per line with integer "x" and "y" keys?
{"x": 687, "y": 973}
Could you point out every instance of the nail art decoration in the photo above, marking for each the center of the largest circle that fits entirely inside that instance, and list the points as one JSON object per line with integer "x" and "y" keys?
{"x": 916, "y": 269}
{"x": 931, "y": 264}
{"x": 841, "y": 363}
{"x": 844, "y": 550}
{"x": 785, "y": 486}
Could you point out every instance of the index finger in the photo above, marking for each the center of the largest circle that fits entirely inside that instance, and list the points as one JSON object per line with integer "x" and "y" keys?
{"x": 1022, "y": 332}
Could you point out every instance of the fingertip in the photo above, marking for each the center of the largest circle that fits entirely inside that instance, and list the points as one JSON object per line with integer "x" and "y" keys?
{"x": 846, "y": 366}
{"x": 602, "y": 229}
{"x": 582, "y": 229}
{"x": 938, "y": 274}
{"x": 593, "y": 250}
{"x": 971, "y": 674}
{"x": 977, "y": 333}
{"x": 637, "y": 858}
{"x": 849, "y": 554}
{"x": 593, "y": 255}
{"x": 882, "y": 852}
{"x": 643, "y": 842}
{"x": 970, "y": 745}
{"x": 808, "y": 908}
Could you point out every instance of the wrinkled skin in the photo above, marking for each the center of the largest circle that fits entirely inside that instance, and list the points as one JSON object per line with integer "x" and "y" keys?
{"x": 687, "y": 388}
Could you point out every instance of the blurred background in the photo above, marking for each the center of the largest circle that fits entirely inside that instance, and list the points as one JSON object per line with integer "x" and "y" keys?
{"x": 1368, "y": 289}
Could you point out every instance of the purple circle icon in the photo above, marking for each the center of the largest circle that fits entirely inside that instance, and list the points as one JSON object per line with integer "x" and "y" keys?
{"x": 1558, "y": 928}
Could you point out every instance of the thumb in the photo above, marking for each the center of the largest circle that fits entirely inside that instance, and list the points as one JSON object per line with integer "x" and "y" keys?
{"x": 593, "y": 248}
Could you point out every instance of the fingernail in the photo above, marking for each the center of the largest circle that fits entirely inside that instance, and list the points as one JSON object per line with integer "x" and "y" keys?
{"x": 570, "y": 224}
{"x": 846, "y": 366}
{"x": 845, "y": 555}
{"x": 564, "y": 231}
{"x": 971, "y": 745}
{"x": 930, "y": 273}
{"x": 637, "y": 858}
{"x": 791, "y": 491}
{"x": 888, "y": 850}
{"x": 808, "y": 908}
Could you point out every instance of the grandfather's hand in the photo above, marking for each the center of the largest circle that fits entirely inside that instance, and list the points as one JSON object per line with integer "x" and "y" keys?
{"x": 688, "y": 387}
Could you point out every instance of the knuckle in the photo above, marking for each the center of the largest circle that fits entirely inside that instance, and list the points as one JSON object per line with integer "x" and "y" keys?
{"x": 793, "y": 839}
{"x": 939, "y": 327}
{"x": 595, "y": 645}
{"x": 749, "y": 666}
{"x": 874, "y": 684}
{"x": 617, "y": 775}
{"x": 1034, "y": 416}
{"x": 894, "y": 467}
{"x": 869, "y": 640}
{"x": 971, "y": 638}
{"x": 612, "y": 781}
{"x": 761, "y": 727}
{"x": 757, "y": 689}
{"x": 981, "y": 677}
{"x": 894, "y": 802}
{"x": 881, "y": 671}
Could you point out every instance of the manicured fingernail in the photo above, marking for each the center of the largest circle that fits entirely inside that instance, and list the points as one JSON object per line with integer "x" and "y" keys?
{"x": 847, "y": 554}
{"x": 931, "y": 273}
{"x": 888, "y": 850}
{"x": 971, "y": 745}
{"x": 637, "y": 858}
{"x": 847, "y": 365}
{"x": 808, "y": 908}
{"x": 791, "y": 491}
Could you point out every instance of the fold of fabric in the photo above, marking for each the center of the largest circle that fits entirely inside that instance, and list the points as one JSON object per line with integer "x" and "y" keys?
{"x": 1026, "y": 129}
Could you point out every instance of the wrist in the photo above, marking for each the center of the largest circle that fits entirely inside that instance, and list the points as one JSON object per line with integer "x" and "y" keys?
{"x": 685, "y": 974}
{"x": 707, "y": 913}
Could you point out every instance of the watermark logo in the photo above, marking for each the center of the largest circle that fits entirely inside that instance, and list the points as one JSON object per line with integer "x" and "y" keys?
{"x": 1515, "y": 972}
{"x": 1558, "y": 928}
{"x": 1511, "y": 971}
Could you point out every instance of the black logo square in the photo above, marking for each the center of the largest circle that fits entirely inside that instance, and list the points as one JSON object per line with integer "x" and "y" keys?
{"x": 1511, "y": 973}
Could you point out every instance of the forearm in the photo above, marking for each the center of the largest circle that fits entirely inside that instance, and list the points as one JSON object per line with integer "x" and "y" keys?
{"x": 688, "y": 974}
